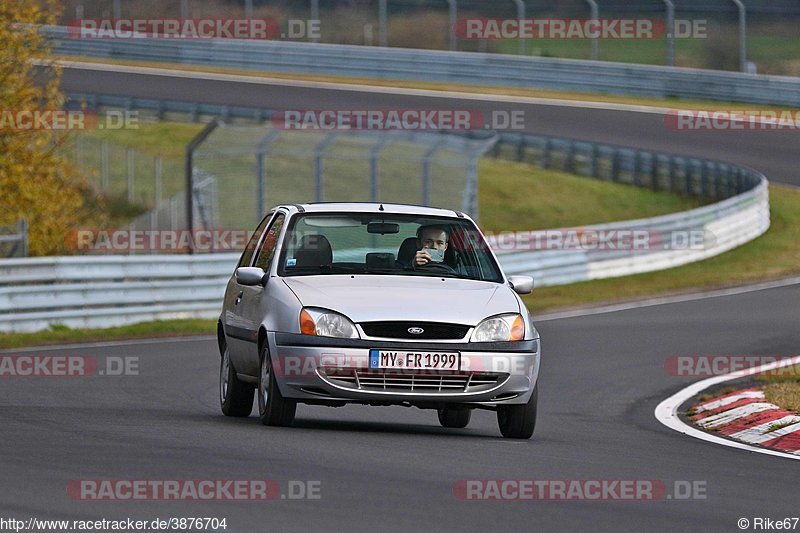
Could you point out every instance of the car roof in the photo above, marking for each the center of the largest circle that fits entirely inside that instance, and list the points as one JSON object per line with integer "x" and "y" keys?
{"x": 371, "y": 207}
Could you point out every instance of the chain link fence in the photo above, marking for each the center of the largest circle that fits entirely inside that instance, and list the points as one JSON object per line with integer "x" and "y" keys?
{"x": 255, "y": 167}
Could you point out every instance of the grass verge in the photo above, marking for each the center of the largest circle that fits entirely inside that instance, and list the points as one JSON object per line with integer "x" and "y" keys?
{"x": 774, "y": 255}
{"x": 144, "y": 330}
{"x": 785, "y": 395}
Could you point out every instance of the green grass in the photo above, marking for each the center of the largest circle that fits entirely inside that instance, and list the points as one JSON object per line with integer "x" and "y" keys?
{"x": 516, "y": 196}
{"x": 785, "y": 395}
{"x": 59, "y": 334}
{"x": 774, "y": 255}
{"x": 787, "y": 374}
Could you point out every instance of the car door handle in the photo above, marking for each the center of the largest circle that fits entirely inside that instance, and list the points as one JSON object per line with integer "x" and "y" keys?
{"x": 239, "y": 298}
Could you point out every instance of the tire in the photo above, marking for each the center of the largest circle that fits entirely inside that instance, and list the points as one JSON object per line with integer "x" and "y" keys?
{"x": 273, "y": 408}
{"x": 454, "y": 418}
{"x": 235, "y": 397}
{"x": 519, "y": 421}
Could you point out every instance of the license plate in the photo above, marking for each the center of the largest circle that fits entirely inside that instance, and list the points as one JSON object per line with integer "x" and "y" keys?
{"x": 401, "y": 359}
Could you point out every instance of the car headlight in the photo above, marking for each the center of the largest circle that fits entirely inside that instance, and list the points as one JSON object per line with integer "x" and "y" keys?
{"x": 510, "y": 327}
{"x": 326, "y": 324}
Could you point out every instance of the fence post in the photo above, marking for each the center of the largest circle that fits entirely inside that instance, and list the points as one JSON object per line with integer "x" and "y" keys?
{"x": 742, "y": 35}
{"x": 189, "y": 175}
{"x": 314, "y": 16}
{"x": 319, "y": 191}
{"x": 670, "y": 32}
{"x": 595, "y": 43}
{"x": 452, "y": 9}
{"x": 520, "y": 17}
{"x": 383, "y": 23}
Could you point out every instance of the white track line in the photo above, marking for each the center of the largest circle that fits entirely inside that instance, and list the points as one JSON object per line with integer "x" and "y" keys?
{"x": 663, "y": 300}
{"x": 667, "y": 411}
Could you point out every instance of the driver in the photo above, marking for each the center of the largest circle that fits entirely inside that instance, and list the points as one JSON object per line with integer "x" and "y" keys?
{"x": 429, "y": 238}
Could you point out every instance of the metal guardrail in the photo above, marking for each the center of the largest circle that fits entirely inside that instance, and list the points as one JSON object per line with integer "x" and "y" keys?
{"x": 14, "y": 240}
{"x": 103, "y": 291}
{"x": 438, "y": 66}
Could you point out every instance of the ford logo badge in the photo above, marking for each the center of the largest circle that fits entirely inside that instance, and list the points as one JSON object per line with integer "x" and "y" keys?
{"x": 416, "y": 331}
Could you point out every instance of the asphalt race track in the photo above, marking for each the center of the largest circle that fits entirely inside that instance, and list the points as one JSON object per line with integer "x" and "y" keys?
{"x": 394, "y": 469}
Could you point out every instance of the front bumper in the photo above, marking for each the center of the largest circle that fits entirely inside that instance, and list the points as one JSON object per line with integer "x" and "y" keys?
{"x": 318, "y": 369}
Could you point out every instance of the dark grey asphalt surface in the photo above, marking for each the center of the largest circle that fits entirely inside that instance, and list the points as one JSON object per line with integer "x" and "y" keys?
{"x": 393, "y": 468}
{"x": 772, "y": 152}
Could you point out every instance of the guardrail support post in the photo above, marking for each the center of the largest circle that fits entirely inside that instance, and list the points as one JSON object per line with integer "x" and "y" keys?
{"x": 129, "y": 156}
{"x": 189, "y": 172}
{"x": 615, "y": 165}
{"x": 23, "y": 230}
{"x": 544, "y": 161}
{"x": 654, "y": 171}
{"x": 594, "y": 168}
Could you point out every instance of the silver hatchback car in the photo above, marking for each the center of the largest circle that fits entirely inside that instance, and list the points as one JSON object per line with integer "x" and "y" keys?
{"x": 377, "y": 304}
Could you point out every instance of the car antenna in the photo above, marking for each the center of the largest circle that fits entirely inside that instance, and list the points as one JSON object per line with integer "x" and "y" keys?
{"x": 380, "y": 208}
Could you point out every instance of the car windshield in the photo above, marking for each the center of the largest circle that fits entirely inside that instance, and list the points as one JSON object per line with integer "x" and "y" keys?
{"x": 356, "y": 243}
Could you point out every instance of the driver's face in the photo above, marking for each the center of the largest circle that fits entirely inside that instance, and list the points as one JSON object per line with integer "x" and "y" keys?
{"x": 433, "y": 238}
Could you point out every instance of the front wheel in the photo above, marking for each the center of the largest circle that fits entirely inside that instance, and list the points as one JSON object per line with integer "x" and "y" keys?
{"x": 454, "y": 418}
{"x": 273, "y": 408}
{"x": 518, "y": 421}
{"x": 235, "y": 397}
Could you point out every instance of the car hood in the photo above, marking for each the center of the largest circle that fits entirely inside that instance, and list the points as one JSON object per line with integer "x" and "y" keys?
{"x": 431, "y": 299}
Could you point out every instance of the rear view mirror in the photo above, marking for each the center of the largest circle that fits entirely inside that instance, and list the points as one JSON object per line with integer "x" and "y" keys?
{"x": 521, "y": 284}
{"x": 250, "y": 276}
{"x": 383, "y": 227}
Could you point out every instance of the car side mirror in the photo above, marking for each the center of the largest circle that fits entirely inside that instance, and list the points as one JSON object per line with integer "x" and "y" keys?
{"x": 251, "y": 276}
{"x": 521, "y": 284}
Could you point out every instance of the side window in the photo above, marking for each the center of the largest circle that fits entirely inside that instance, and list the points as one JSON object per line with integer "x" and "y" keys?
{"x": 250, "y": 249}
{"x": 270, "y": 243}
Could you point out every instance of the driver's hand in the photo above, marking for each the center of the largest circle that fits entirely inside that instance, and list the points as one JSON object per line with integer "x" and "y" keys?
{"x": 422, "y": 258}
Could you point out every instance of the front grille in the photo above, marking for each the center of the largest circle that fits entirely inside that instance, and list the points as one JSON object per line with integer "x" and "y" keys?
{"x": 412, "y": 381}
{"x": 399, "y": 330}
